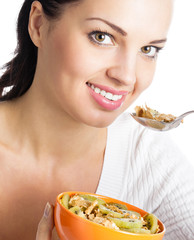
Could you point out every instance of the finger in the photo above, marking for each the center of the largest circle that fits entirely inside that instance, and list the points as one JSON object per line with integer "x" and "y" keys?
{"x": 46, "y": 224}
{"x": 55, "y": 235}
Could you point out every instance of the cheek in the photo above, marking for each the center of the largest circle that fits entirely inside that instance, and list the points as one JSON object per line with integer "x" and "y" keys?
{"x": 145, "y": 74}
{"x": 76, "y": 59}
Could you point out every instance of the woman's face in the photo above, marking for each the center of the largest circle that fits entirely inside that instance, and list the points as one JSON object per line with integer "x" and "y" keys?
{"x": 101, "y": 55}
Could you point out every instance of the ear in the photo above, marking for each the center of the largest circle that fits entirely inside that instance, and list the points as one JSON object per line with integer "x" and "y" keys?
{"x": 36, "y": 20}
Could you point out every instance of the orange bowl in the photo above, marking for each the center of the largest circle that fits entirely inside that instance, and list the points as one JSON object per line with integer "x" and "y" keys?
{"x": 70, "y": 226}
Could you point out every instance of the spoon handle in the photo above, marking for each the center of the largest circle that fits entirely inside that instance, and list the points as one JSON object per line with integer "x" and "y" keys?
{"x": 185, "y": 114}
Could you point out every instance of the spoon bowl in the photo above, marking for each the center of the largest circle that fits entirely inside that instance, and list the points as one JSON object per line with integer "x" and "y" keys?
{"x": 160, "y": 125}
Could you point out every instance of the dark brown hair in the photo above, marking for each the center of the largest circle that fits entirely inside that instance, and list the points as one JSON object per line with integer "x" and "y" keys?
{"x": 19, "y": 72}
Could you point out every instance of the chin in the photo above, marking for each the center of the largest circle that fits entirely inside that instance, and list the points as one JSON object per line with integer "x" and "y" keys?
{"x": 102, "y": 120}
{"x": 101, "y": 124}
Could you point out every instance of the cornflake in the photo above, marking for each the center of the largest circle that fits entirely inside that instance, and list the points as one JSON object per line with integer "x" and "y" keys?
{"x": 109, "y": 214}
{"x": 153, "y": 114}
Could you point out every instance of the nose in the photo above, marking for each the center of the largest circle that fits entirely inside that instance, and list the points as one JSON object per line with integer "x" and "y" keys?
{"x": 123, "y": 69}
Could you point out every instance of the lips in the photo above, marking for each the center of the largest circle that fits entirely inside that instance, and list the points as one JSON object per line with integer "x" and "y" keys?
{"x": 107, "y": 97}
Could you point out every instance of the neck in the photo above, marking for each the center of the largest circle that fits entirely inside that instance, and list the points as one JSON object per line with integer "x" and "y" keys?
{"x": 48, "y": 132}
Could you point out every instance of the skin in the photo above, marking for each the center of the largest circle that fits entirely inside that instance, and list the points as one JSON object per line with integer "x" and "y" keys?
{"x": 49, "y": 135}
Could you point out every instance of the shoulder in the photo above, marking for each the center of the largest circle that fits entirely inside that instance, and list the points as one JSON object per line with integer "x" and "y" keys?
{"x": 126, "y": 127}
{"x": 156, "y": 149}
{"x": 144, "y": 139}
{"x": 149, "y": 156}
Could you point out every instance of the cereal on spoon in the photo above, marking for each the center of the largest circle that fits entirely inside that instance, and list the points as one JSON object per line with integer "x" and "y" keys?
{"x": 153, "y": 114}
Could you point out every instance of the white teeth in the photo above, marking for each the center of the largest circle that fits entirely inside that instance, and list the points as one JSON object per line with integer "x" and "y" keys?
{"x": 115, "y": 97}
{"x": 109, "y": 96}
{"x": 97, "y": 90}
{"x": 105, "y": 94}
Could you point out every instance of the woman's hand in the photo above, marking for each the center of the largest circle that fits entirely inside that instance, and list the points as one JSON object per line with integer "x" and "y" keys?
{"x": 46, "y": 230}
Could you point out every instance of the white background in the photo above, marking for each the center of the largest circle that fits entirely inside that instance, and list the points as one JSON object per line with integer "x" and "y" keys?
{"x": 173, "y": 86}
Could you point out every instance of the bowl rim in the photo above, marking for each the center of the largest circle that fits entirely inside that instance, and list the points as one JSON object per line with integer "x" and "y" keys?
{"x": 99, "y": 225}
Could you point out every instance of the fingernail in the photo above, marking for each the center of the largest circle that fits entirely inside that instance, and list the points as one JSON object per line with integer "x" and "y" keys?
{"x": 47, "y": 210}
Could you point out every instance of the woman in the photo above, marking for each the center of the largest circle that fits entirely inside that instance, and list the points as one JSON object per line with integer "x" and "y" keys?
{"x": 78, "y": 66}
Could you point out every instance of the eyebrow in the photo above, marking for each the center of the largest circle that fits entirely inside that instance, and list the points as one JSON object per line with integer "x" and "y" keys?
{"x": 113, "y": 26}
{"x": 158, "y": 41}
{"x": 121, "y": 31}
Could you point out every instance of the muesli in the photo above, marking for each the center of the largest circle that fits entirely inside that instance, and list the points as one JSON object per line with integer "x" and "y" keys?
{"x": 153, "y": 114}
{"x": 109, "y": 214}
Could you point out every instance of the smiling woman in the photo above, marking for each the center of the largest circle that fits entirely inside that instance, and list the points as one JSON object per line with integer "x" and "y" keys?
{"x": 77, "y": 68}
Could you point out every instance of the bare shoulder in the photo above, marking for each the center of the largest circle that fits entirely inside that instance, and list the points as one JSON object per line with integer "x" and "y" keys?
{"x": 8, "y": 123}
{"x": 6, "y": 154}
{"x": 15, "y": 205}
{"x": 8, "y": 172}
{"x": 6, "y": 188}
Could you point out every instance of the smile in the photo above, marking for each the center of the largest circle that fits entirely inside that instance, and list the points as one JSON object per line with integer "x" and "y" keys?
{"x": 108, "y": 95}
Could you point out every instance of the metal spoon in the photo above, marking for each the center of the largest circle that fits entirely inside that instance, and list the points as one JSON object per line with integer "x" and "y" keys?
{"x": 160, "y": 126}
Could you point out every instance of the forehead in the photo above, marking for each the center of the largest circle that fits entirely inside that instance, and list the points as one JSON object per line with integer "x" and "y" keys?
{"x": 130, "y": 14}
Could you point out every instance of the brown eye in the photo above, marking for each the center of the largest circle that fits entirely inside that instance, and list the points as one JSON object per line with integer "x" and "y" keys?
{"x": 150, "y": 51}
{"x": 146, "y": 49}
{"x": 100, "y": 37}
